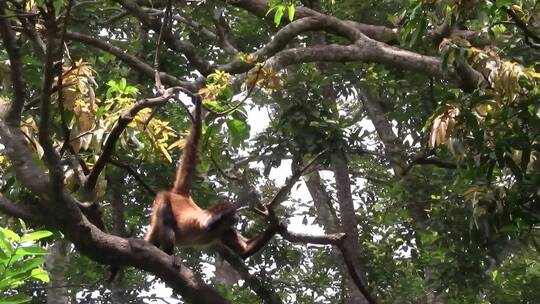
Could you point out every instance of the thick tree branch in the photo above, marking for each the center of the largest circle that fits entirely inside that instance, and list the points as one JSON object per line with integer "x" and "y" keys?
{"x": 262, "y": 288}
{"x": 380, "y": 33}
{"x": 225, "y": 38}
{"x": 304, "y": 238}
{"x": 53, "y": 62}
{"x": 13, "y": 115}
{"x": 357, "y": 278}
{"x": 90, "y": 240}
{"x": 367, "y": 51}
{"x": 199, "y": 28}
{"x": 22, "y": 161}
{"x": 22, "y": 212}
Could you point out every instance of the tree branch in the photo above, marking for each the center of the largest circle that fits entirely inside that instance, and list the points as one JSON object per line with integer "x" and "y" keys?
{"x": 53, "y": 61}
{"x": 523, "y": 27}
{"x": 225, "y": 38}
{"x": 304, "y": 238}
{"x": 380, "y": 33}
{"x": 182, "y": 46}
{"x": 131, "y": 60}
{"x": 135, "y": 175}
{"x": 262, "y": 288}
{"x": 13, "y": 116}
{"x": 22, "y": 212}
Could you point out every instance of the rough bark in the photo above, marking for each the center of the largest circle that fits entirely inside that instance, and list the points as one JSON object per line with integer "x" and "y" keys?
{"x": 115, "y": 180}
{"x": 225, "y": 274}
{"x": 56, "y": 264}
{"x": 327, "y": 218}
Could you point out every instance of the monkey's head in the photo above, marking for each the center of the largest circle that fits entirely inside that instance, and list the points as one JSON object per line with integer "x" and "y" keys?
{"x": 224, "y": 217}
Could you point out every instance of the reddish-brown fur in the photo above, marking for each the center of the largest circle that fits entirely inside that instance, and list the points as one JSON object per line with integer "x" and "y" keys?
{"x": 177, "y": 219}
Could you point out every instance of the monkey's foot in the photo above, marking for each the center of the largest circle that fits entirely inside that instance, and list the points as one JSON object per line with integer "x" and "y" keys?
{"x": 176, "y": 263}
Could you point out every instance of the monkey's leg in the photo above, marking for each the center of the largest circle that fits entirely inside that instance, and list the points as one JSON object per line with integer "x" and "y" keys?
{"x": 167, "y": 231}
{"x": 156, "y": 223}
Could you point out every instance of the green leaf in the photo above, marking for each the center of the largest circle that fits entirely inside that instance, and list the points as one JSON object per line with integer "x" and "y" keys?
{"x": 11, "y": 235}
{"x": 12, "y": 281}
{"x": 57, "y": 4}
{"x": 122, "y": 84}
{"x": 5, "y": 245}
{"x": 3, "y": 256}
{"x": 26, "y": 266}
{"x": 226, "y": 94}
{"x": 290, "y": 12}
{"x": 239, "y": 131}
{"x": 278, "y": 15}
{"x": 40, "y": 274}
{"x": 501, "y": 3}
{"x": 34, "y": 250}
{"x": 20, "y": 298}
{"x": 419, "y": 32}
{"x": 36, "y": 235}
{"x": 23, "y": 225}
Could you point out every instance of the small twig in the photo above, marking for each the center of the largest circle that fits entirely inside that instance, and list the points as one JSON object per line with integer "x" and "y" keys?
{"x": 133, "y": 173}
{"x": 221, "y": 171}
{"x": 121, "y": 124}
{"x": 164, "y": 24}
{"x": 282, "y": 193}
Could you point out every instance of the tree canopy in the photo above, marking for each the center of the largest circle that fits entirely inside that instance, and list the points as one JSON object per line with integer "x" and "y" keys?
{"x": 405, "y": 136}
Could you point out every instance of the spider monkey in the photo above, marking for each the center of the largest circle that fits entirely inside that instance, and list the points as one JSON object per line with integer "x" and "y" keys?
{"x": 177, "y": 220}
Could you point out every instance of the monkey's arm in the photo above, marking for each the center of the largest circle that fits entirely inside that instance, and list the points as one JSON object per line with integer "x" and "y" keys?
{"x": 244, "y": 247}
{"x": 188, "y": 160}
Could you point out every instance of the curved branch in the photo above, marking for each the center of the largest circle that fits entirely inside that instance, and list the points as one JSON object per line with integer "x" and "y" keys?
{"x": 119, "y": 127}
{"x": 53, "y": 62}
{"x": 23, "y": 212}
{"x": 380, "y": 33}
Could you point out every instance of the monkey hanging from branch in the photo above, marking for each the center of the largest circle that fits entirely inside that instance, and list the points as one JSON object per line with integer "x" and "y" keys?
{"x": 177, "y": 220}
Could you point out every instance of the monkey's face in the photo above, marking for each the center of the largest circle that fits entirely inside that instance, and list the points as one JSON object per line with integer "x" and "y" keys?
{"x": 230, "y": 221}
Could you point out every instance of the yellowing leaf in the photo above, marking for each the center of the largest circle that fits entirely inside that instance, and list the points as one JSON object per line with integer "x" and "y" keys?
{"x": 443, "y": 126}
{"x": 165, "y": 152}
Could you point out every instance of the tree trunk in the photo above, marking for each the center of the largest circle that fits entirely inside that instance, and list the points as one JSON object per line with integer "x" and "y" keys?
{"x": 115, "y": 180}
{"x": 395, "y": 154}
{"x": 328, "y": 219}
{"x": 56, "y": 265}
{"x": 225, "y": 274}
